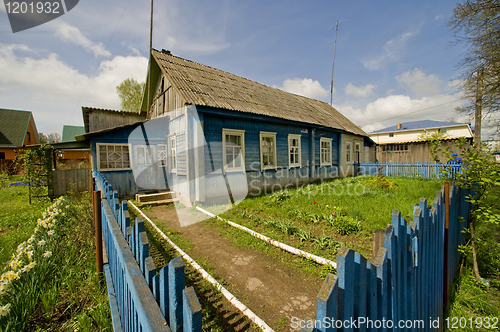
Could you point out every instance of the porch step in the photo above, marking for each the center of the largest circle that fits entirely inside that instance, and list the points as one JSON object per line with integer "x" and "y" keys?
{"x": 156, "y": 198}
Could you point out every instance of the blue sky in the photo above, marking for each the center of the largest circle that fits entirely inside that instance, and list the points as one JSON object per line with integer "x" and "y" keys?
{"x": 395, "y": 60}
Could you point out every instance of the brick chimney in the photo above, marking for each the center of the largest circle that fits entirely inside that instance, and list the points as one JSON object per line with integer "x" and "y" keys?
{"x": 399, "y": 125}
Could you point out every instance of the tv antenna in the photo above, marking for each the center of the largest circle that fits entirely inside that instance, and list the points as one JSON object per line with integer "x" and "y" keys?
{"x": 333, "y": 61}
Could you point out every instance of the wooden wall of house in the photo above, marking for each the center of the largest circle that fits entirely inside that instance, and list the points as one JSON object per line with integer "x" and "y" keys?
{"x": 258, "y": 181}
{"x": 99, "y": 120}
{"x": 165, "y": 98}
{"x": 417, "y": 152}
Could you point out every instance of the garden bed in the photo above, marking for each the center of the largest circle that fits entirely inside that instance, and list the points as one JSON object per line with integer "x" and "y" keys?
{"x": 321, "y": 218}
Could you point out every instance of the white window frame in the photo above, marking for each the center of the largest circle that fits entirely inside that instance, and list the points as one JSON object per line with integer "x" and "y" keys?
{"x": 162, "y": 162}
{"x": 98, "y": 155}
{"x": 233, "y": 132}
{"x": 265, "y": 134}
{"x": 297, "y": 163}
{"x": 348, "y": 153}
{"x": 149, "y": 155}
{"x": 357, "y": 146}
{"x": 329, "y": 142}
{"x": 172, "y": 153}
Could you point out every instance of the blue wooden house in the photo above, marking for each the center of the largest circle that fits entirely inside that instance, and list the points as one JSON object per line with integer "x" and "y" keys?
{"x": 212, "y": 135}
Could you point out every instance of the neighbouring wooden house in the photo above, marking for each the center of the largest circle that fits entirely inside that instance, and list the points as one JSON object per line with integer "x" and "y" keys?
{"x": 406, "y": 142}
{"x": 17, "y": 131}
{"x": 210, "y": 134}
{"x": 68, "y": 135}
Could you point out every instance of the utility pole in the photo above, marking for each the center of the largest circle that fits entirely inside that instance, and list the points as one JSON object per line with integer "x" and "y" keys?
{"x": 333, "y": 62}
{"x": 149, "y": 52}
{"x": 479, "y": 104}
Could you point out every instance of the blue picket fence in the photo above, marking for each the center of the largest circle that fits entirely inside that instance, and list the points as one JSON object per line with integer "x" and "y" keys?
{"x": 140, "y": 298}
{"x": 401, "y": 287}
{"x": 423, "y": 170}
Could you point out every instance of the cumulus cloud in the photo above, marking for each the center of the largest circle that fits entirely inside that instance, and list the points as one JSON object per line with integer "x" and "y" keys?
{"x": 72, "y": 34}
{"x": 420, "y": 83}
{"x": 393, "y": 109}
{"x": 306, "y": 87}
{"x": 362, "y": 91}
{"x": 50, "y": 79}
{"x": 391, "y": 51}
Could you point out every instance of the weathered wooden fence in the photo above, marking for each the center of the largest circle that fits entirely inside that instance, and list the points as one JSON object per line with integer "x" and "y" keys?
{"x": 404, "y": 285}
{"x": 424, "y": 170}
{"x": 66, "y": 180}
{"x": 145, "y": 300}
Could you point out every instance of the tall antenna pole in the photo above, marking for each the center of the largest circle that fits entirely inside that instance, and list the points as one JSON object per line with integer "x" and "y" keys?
{"x": 333, "y": 62}
{"x": 150, "y": 48}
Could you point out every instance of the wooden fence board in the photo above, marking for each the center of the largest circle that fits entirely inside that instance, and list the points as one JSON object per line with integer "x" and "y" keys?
{"x": 146, "y": 300}
{"x": 404, "y": 281}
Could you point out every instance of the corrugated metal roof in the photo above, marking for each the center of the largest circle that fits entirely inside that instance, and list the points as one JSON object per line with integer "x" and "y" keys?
{"x": 69, "y": 133}
{"x": 13, "y": 126}
{"x": 206, "y": 86}
{"x": 415, "y": 125}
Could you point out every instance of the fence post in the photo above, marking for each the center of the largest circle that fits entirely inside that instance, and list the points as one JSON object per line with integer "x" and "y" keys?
{"x": 98, "y": 232}
{"x": 446, "y": 241}
{"x": 191, "y": 311}
{"x": 327, "y": 301}
{"x": 345, "y": 268}
{"x": 176, "y": 283}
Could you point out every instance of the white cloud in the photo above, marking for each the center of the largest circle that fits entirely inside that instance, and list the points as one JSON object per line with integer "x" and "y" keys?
{"x": 2, "y": 7}
{"x": 393, "y": 109}
{"x": 50, "y": 81}
{"x": 391, "y": 51}
{"x": 306, "y": 87}
{"x": 73, "y": 35}
{"x": 420, "y": 83}
{"x": 362, "y": 91}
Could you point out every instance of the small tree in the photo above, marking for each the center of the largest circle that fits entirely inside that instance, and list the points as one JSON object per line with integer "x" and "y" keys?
{"x": 481, "y": 174}
{"x": 130, "y": 93}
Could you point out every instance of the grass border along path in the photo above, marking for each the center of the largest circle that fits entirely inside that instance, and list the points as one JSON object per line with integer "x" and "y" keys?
{"x": 230, "y": 297}
{"x": 286, "y": 247}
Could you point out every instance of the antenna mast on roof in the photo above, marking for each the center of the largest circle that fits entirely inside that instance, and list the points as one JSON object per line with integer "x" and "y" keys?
{"x": 333, "y": 62}
{"x": 150, "y": 48}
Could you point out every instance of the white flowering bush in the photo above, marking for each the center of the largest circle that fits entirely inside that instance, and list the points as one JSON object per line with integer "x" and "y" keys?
{"x": 29, "y": 269}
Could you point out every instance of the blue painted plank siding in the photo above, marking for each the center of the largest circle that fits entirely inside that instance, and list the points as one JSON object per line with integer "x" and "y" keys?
{"x": 268, "y": 180}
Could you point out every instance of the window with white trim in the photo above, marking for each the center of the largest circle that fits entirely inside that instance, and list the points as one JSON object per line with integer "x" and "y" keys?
{"x": 268, "y": 159}
{"x": 348, "y": 151}
{"x": 144, "y": 155}
{"x": 113, "y": 157}
{"x": 172, "y": 157}
{"x": 162, "y": 154}
{"x": 357, "y": 152}
{"x": 294, "y": 150}
{"x": 325, "y": 151}
{"x": 233, "y": 150}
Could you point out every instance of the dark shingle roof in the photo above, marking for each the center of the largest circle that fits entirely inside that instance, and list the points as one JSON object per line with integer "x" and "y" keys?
{"x": 69, "y": 133}
{"x": 13, "y": 126}
{"x": 206, "y": 86}
{"x": 423, "y": 124}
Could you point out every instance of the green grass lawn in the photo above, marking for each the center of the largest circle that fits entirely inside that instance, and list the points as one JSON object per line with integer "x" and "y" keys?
{"x": 320, "y": 218}
{"x": 71, "y": 298}
{"x": 17, "y": 217}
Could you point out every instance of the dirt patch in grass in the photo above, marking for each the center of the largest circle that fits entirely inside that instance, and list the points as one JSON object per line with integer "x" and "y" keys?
{"x": 274, "y": 290}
